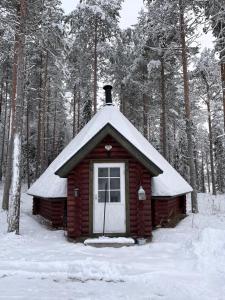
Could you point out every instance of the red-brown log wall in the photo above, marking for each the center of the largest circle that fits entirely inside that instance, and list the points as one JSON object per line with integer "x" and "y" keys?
{"x": 167, "y": 208}
{"x": 78, "y": 218}
{"x": 52, "y": 210}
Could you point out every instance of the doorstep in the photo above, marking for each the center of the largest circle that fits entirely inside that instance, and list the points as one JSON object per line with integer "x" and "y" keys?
{"x": 113, "y": 242}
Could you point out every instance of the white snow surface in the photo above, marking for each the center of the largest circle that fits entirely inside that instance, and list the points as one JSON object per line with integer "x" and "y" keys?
{"x": 182, "y": 263}
{"x": 170, "y": 183}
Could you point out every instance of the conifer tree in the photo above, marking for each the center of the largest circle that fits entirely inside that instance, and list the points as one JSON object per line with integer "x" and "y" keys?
{"x": 93, "y": 24}
{"x": 13, "y": 182}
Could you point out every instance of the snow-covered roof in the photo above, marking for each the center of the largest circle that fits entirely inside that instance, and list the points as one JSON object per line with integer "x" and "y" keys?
{"x": 169, "y": 183}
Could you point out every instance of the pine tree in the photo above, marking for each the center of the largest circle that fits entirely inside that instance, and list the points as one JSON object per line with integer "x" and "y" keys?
{"x": 15, "y": 156}
{"x": 93, "y": 24}
{"x": 215, "y": 11}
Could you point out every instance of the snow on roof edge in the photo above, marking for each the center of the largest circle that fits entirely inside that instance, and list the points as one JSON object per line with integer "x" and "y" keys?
{"x": 170, "y": 183}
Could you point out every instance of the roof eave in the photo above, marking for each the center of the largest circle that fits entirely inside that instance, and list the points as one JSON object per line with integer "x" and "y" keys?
{"x": 171, "y": 196}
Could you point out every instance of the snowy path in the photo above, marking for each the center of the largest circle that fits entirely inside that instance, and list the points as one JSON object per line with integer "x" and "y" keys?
{"x": 187, "y": 262}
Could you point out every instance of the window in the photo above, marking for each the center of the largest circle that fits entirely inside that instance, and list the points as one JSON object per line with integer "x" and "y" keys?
{"x": 109, "y": 185}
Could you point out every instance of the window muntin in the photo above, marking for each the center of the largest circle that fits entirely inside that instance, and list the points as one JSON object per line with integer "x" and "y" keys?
{"x": 109, "y": 185}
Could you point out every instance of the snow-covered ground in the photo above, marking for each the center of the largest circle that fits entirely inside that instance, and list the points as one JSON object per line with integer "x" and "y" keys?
{"x": 187, "y": 262}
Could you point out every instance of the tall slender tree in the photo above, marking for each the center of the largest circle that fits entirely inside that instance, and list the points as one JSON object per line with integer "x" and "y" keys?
{"x": 215, "y": 11}
{"x": 15, "y": 156}
{"x": 93, "y": 24}
{"x": 187, "y": 106}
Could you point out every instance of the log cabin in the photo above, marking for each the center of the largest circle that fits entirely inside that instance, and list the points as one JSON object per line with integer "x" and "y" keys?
{"x": 109, "y": 180}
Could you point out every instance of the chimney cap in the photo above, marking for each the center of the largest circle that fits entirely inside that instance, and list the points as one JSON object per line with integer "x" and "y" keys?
{"x": 108, "y": 94}
{"x": 107, "y": 87}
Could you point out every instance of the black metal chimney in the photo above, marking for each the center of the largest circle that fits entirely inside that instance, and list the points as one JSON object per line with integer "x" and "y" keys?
{"x": 108, "y": 94}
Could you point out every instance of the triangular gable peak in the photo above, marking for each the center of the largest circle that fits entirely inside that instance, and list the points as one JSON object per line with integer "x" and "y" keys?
{"x": 108, "y": 129}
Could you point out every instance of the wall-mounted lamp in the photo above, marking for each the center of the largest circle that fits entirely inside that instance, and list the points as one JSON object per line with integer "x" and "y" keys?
{"x": 141, "y": 194}
{"x": 108, "y": 147}
{"x": 76, "y": 192}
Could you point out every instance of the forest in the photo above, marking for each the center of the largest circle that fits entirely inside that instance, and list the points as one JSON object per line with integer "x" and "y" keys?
{"x": 53, "y": 67}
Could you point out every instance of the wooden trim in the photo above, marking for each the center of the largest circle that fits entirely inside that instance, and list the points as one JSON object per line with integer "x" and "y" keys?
{"x": 51, "y": 199}
{"x": 94, "y": 141}
{"x": 91, "y": 177}
{"x": 127, "y": 204}
{"x": 168, "y": 197}
{"x": 127, "y": 197}
{"x": 109, "y": 235}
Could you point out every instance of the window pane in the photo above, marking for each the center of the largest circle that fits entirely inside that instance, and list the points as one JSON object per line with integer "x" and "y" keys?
{"x": 103, "y": 196}
{"x": 103, "y": 184}
{"x": 103, "y": 172}
{"x": 114, "y": 183}
{"x": 114, "y": 196}
{"x": 114, "y": 172}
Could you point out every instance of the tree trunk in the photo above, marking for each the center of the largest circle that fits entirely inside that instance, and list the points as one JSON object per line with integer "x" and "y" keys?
{"x": 208, "y": 174}
{"x": 28, "y": 144}
{"x": 4, "y": 205}
{"x": 196, "y": 170}
{"x": 74, "y": 111}
{"x": 188, "y": 109}
{"x": 43, "y": 123}
{"x": 211, "y": 146}
{"x": 163, "y": 116}
{"x": 144, "y": 97}
{"x": 16, "y": 134}
{"x": 1, "y": 95}
{"x": 95, "y": 64}
{"x": 54, "y": 131}
{"x": 8, "y": 176}
{"x": 39, "y": 126}
{"x": 5, "y": 200}
{"x": 122, "y": 98}
{"x": 208, "y": 104}
{"x": 145, "y": 115}
{"x": 78, "y": 111}
{"x": 203, "y": 175}
{"x": 48, "y": 138}
{"x": 223, "y": 87}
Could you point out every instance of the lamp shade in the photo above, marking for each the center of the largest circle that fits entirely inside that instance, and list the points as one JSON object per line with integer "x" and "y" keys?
{"x": 141, "y": 194}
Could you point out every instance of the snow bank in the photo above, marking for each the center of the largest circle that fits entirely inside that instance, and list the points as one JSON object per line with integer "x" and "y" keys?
{"x": 210, "y": 249}
{"x": 211, "y": 243}
{"x": 83, "y": 270}
{"x": 185, "y": 262}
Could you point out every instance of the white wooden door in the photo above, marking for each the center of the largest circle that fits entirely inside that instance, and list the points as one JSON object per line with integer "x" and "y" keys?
{"x": 109, "y": 198}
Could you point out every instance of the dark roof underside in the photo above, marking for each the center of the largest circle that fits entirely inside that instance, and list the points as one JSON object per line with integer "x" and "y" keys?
{"x": 108, "y": 129}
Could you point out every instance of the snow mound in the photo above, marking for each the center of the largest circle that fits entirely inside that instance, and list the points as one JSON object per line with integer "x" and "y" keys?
{"x": 211, "y": 242}
{"x": 210, "y": 249}
{"x": 84, "y": 270}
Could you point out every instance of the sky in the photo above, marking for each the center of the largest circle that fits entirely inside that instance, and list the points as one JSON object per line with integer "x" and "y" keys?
{"x": 129, "y": 15}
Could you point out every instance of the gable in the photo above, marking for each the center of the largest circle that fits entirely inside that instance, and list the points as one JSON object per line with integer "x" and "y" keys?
{"x": 168, "y": 183}
{"x": 108, "y": 129}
